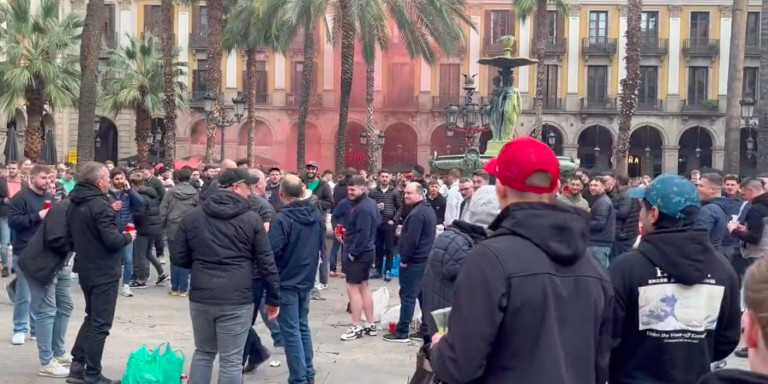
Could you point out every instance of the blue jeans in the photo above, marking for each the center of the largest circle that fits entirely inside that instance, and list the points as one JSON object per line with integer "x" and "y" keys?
{"x": 5, "y": 240}
{"x": 601, "y": 254}
{"x": 294, "y": 327}
{"x": 410, "y": 290}
{"x": 274, "y": 327}
{"x": 335, "y": 248}
{"x": 127, "y": 256}
{"x": 21, "y": 315}
{"x": 179, "y": 279}
{"x": 222, "y": 330}
{"x": 52, "y": 305}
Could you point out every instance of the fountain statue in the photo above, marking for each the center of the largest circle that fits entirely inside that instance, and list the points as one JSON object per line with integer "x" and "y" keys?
{"x": 501, "y": 116}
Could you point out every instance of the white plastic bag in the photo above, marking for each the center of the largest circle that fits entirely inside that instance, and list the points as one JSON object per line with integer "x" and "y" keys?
{"x": 380, "y": 303}
{"x": 393, "y": 315}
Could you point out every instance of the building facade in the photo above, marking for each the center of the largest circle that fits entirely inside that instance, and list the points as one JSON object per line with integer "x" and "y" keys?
{"x": 679, "y": 125}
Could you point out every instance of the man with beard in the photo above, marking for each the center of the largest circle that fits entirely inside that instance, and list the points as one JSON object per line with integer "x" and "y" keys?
{"x": 210, "y": 171}
{"x": 97, "y": 243}
{"x": 388, "y": 201}
{"x": 677, "y": 300}
{"x": 272, "y": 191}
{"x": 713, "y": 217}
{"x": 627, "y": 209}
{"x": 572, "y": 196}
{"x": 322, "y": 191}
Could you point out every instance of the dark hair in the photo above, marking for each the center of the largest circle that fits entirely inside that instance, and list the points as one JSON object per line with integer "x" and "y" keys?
{"x": 349, "y": 173}
{"x": 576, "y": 178}
{"x": 668, "y": 222}
{"x": 481, "y": 173}
{"x": 290, "y": 188}
{"x": 714, "y": 179}
{"x": 273, "y": 169}
{"x": 384, "y": 171}
{"x": 116, "y": 171}
{"x": 731, "y": 178}
{"x": 357, "y": 181}
{"x": 184, "y": 174}
{"x": 622, "y": 180}
{"x": 434, "y": 182}
{"x": 418, "y": 170}
{"x": 38, "y": 169}
{"x": 145, "y": 166}
{"x": 327, "y": 172}
{"x": 243, "y": 162}
{"x": 752, "y": 183}
{"x": 208, "y": 167}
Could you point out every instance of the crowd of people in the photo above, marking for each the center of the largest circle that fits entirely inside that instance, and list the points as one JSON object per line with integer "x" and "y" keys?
{"x": 592, "y": 278}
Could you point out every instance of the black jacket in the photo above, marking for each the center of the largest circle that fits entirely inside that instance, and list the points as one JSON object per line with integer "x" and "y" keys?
{"x": 273, "y": 195}
{"x": 147, "y": 219}
{"x": 677, "y": 309}
{"x": 340, "y": 191}
{"x": 225, "y": 245}
{"x": 713, "y": 217}
{"x": 602, "y": 225}
{"x": 324, "y": 196}
{"x": 528, "y": 306}
{"x": 443, "y": 266}
{"x": 627, "y": 215}
{"x": 24, "y": 216}
{"x": 734, "y": 376}
{"x": 262, "y": 207}
{"x": 296, "y": 235}
{"x": 755, "y": 238}
{"x": 390, "y": 199}
{"x": 47, "y": 251}
{"x": 438, "y": 205}
{"x": 360, "y": 229}
{"x": 96, "y": 239}
{"x": 3, "y": 194}
{"x": 418, "y": 234}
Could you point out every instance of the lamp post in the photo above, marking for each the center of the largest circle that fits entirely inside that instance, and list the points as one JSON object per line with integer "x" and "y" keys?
{"x": 551, "y": 139}
{"x": 747, "y": 111}
{"x": 372, "y": 142}
{"x": 156, "y": 138}
{"x": 222, "y": 122}
{"x": 96, "y": 126}
{"x": 469, "y": 119}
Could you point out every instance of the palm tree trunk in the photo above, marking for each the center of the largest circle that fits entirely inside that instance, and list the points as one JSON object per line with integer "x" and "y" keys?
{"x": 540, "y": 41}
{"x": 347, "y": 67}
{"x": 370, "y": 151}
{"x": 762, "y": 131}
{"x": 90, "y": 46}
{"x": 306, "y": 88}
{"x": 33, "y": 137}
{"x": 250, "y": 72}
{"x": 169, "y": 82}
{"x": 216, "y": 19}
{"x": 735, "y": 79}
{"x": 629, "y": 85}
{"x": 143, "y": 128}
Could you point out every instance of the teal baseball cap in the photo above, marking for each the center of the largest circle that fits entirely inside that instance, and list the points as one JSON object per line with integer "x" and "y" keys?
{"x": 671, "y": 194}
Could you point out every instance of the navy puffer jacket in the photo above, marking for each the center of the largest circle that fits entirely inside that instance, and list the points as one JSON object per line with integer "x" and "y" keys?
{"x": 444, "y": 264}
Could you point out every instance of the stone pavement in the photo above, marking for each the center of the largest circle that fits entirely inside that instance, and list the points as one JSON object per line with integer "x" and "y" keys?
{"x": 152, "y": 317}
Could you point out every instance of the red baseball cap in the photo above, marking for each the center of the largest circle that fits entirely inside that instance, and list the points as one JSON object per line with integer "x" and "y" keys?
{"x": 521, "y": 158}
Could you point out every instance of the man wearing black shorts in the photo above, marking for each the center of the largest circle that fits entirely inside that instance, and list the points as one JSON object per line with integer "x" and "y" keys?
{"x": 359, "y": 240}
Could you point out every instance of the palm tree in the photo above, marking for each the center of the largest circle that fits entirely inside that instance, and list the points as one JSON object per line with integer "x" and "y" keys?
{"x": 424, "y": 28}
{"x": 374, "y": 33}
{"x": 90, "y": 47}
{"x": 630, "y": 84}
{"x": 735, "y": 82}
{"x": 762, "y": 130}
{"x": 134, "y": 80}
{"x": 38, "y": 66}
{"x": 526, "y": 8}
{"x": 169, "y": 82}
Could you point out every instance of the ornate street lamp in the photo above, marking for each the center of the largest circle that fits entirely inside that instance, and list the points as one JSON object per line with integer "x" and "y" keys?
{"x": 468, "y": 119}
{"x": 378, "y": 142}
{"x": 222, "y": 122}
{"x": 647, "y": 142}
{"x": 551, "y": 139}
{"x": 747, "y": 110}
{"x": 96, "y": 126}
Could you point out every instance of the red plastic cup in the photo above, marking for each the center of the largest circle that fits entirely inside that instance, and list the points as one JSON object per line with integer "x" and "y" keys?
{"x": 130, "y": 227}
{"x": 339, "y": 230}
{"x": 47, "y": 204}
{"x": 392, "y": 328}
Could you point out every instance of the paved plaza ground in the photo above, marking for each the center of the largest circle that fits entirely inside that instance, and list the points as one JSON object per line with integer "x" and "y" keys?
{"x": 152, "y": 317}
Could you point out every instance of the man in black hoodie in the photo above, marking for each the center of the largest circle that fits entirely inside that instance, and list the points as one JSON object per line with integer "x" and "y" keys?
{"x": 97, "y": 241}
{"x": 272, "y": 191}
{"x": 149, "y": 225}
{"x": 677, "y": 299}
{"x": 225, "y": 245}
{"x": 529, "y": 305}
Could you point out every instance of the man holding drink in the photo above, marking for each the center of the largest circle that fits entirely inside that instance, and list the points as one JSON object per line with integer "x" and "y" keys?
{"x": 125, "y": 201}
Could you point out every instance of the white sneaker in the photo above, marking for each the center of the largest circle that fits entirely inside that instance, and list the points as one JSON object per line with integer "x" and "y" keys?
{"x": 33, "y": 338}
{"x": 352, "y": 333}
{"x": 18, "y": 338}
{"x": 64, "y": 360}
{"x": 53, "y": 369}
{"x": 126, "y": 291}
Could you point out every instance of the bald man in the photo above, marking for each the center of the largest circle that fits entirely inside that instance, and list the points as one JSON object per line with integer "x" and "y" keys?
{"x": 214, "y": 187}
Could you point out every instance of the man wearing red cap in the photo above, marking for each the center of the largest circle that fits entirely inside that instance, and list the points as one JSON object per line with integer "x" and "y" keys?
{"x": 528, "y": 306}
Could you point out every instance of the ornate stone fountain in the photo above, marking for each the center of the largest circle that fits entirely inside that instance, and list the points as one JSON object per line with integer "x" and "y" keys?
{"x": 500, "y": 116}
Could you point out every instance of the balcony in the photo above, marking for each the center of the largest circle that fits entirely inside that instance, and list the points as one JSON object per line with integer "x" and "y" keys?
{"x": 652, "y": 46}
{"x": 552, "y": 104}
{"x": 651, "y": 105}
{"x": 442, "y": 101}
{"x": 752, "y": 49}
{"x": 701, "y": 47}
{"x": 293, "y": 100}
{"x": 261, "y": 98}
{"x": 196, "y": 98}
{"x": 703, "y": 107}
{"x": 605, "y": 105}
{"x": 553, "y": 46}
{"x": 494, "y": 48}
{"x": 598, "y": 46}
{"x": 198, "y": 40}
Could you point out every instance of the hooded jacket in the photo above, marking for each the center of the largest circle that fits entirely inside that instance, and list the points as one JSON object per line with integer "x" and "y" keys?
{"x": 340, "y": 191}
{"x": 528, "y": 306}
{"x": 714, "y": 219}
{"x": 360, "y": 227}
{"x": 147, "y": 219}
{"x": 177, "y": 203}
{"x": 24, "y": 216}
{"x": 296, "y": 235}
{"x": 225, "y": 245}
{"x": 755, "y": 238}
{"x": 734, "y": 376}
{"x": 47, "y": 251}
{"x": 444, "y": 264}
{"x": 131, "y": 202}
{"x": 677, "y": 309}
{"x": 96, "y": 239}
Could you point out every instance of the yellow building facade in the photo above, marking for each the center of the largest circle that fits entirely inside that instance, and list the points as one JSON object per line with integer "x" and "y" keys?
{"x": 679, "y": 124}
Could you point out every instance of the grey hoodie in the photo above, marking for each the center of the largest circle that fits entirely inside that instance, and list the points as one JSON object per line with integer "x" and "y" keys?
{"x": 177, "y": 202}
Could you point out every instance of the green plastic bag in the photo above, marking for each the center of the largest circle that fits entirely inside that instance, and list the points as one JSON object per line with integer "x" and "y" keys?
{"x": 161, "y": 366}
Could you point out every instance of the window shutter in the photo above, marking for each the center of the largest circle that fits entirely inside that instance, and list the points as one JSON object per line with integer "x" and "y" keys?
{"x": 147, "y": 17}
{"x": 196, "y": 20}
{"x": 511, "y": 23}
{"x": 560, "y": 24}
{"x": 487, "y": 28}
